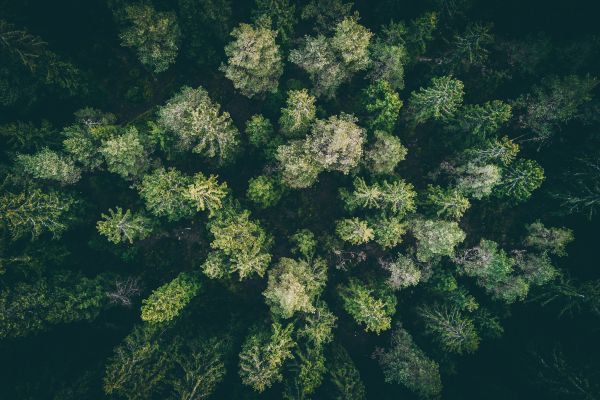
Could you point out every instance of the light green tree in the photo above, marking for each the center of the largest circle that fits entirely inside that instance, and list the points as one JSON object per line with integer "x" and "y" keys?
{"x": 49, "y": 165}
{"x": 166, "y": 193}
{"x": 264, "y": 191}
{"x": 384, "y": 154}
{"x": 167, "y": 301}
{"x": 519, "y": 180}
{"x": 294, "y": 285}
{"x": 440, "y": 100}
{"x": 35, "y": 212}
{"x": 371, "y": 307}
{"x": 483, "y": 120}
{"x": 436, "y": 238}
{"x": 125, "y": 154}
{"x": 447, "y": 203}
{"x": 154, "y": 35}
{"x": 299, "y": 169}
{"x": 199, "y": 125}
{"x": 253, "y": 60}
{"x": 354, "y": 231}
{"x": 263, "y": 355}
{"x": 452, "y": 330}
{"x": 388, "y": 230}
{"x": 477, "y": 181}
{"x": 553, "y": 240}
{"x": 337, "y": 143}
{"x": 119, "y": 226}
{"x": 298, "y": 113}
{"x": 240, "y": 245}
{"x": 351, "y": 44}
{"x": 206, "y": 193}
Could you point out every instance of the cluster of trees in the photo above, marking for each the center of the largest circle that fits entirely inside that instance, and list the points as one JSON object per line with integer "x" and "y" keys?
{"x": 299, "y": 180}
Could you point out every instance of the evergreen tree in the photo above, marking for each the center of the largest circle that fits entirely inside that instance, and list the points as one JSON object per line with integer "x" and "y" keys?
{"x": 439, "y": 101}
{"x": 119, "y": 226}
{"x": 167, "y": 302}
{"x": 371, "y": 307}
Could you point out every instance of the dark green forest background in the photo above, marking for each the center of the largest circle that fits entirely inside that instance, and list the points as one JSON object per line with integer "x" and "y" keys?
{"x": 71, "y": 291}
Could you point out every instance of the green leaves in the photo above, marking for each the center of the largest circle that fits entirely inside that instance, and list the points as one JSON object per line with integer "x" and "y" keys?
{"x": 167, "y": 302}
{"x": 439, "y": 101}
{"x": 372, "y": 307}
{"x": 120, "y": 227}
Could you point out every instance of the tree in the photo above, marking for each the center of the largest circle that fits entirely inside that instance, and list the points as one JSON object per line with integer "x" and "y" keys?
{"x": 203, "y": 367}
{"x": 397, "y": 196}
{"x": 387, "y": 63}
{"x": 206, "y": 193}
{"x": 337, "y": 143}
{"x": 436, "y": 238}
{"x": 351, "y": 44}
{"x": 388, "y": 230}
{"x": 318, "y": 325}
{"x": 501, "y": 152}
{"x": 199, "y": 125}
{"x": 494, "y": 271}
{"x": 344, "y": 376}
{"x": 299, "y": 169}
{"x": 305, "y": 243}
{"x": 553, "y": 240}
{"x": 60, "y": 298}
{"x": 253, "y": 60}
{"x": 354, "y": 231}
{"x": 405, "y": 363}
{"x": 519, "y": 180}
{"x": 120, "y": 227}
{"x": 384, "y": 154}
{"x": 240, "y": 245}
{"x": 477, "y": 181}
{"x": 326, "y": 13}
{"x": 293, "y": 286}
{"x": 259, "y": 131}
{"x": 471, "y": 47}
{"x": 35, "y": 212}
{"x": 383, "y": 105}
{"x": 483, "y": 120}
{"x": 125, "y": 154}
{"x": 298, "y": 114}
{"x": 439, "y": 101}
{"x": 373, "y": 307}
{"x": 154, "y": 35}
{"x": 403, "y": 271}
{"x": 447, "y": 203}
{"x": 49, "y": 165}
{"x": 263, "y": 355}
{"x": 264, "y": 191}
{"x": 317, "y": 58}
{"x": 553, "y": 103}
{"x": 455, "y": 332}
{"x": 167, "y": 301}
{"x": 166, "y": 194}
{"x": 138, "y": 365}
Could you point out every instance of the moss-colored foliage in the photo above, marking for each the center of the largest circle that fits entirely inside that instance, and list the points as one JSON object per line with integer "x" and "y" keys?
{"x": 520, "y": 179}
{"x": 553, "y": 240}
{"x": 165, "y": 194}
{"x": 370, "y": 306}
{"x": 63, "y": 297}
{"x": 240, "y": 245}
{"x": 119, "y": 226}
{"x": 259, "y": 131}
{"x": 298, "y": 114}
{"x": 49, "y": 165}
{"x": 388, "y": 231}
{"x": 154, "y": 35}
{"x": 206, "y": 193}
{"x": 199, "y": 125}
{"x": 440, "y": 100}
{"x": 264, "y": 191}
{"x": 125, "y": 154}
{"x": 263, "y": 355}
{"x": 436, "y": 238}
{"x": 455, "y": 332}
{"x": 35, "y": 212}
{"x": 253, "y": 60}
{"x": 396, "y": 196}
{"x": 299, "y": 169}
{"x": 483, "y": 120}
{"x": 354, "y": 231}
{"x": 293, "y": 286}
{"x": 405, "y": 363}
{"x": 446, "y": 203}
{"x": 384, "y": 154}
{"x": 282, "y": 14}
{"x": 167, "y": 301}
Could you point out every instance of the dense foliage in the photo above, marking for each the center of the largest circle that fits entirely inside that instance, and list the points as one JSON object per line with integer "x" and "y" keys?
{"x": 299, "y": 199}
